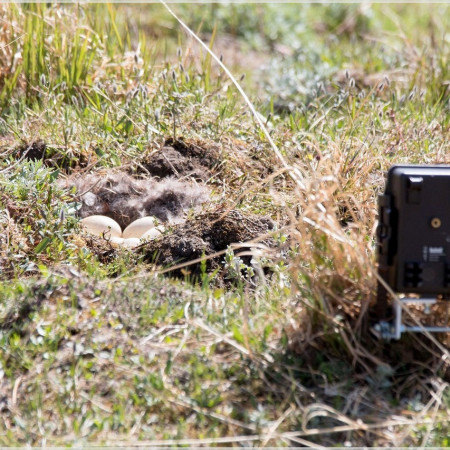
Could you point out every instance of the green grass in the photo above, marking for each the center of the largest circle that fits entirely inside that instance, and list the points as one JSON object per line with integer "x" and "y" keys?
{"x": 100, "y": 350}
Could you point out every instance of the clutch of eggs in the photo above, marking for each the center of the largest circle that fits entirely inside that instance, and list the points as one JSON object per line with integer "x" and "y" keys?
{"x": 143, "y": 228}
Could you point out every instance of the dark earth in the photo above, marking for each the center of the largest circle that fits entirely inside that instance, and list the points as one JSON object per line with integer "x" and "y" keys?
{"x": 205, "y": 235}
{"x": 181, "y": 159}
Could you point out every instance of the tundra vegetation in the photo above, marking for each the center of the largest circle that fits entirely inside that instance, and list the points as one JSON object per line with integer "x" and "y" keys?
{"x": 194, "y": 337}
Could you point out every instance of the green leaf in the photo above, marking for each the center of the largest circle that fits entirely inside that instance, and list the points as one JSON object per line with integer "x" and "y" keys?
{"x": 54, "y": 175}
{"x": 42, "y": 245}
{"x": 238, "y": 335}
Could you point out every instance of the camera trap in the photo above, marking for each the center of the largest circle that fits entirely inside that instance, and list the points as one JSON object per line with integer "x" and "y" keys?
{"x": 413, "y": 249}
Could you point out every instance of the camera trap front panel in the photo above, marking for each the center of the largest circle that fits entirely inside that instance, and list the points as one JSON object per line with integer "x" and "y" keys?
{"x": 414, "y": 230}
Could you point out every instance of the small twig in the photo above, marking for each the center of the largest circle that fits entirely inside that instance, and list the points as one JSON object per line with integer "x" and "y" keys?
{"x": 170, "y": 163}
{"x": 276, "y": 424}
{"x": 15, "y": 390}
{"x": 96, "y": 403}
{"x": 12, "y": 166}
{"x": 356, "y": 426}
{"x": 186, "y": 403}
{"x": 89, "y": 189}
{"x": 191, "y": 442}
{"x": 12, "y": 42}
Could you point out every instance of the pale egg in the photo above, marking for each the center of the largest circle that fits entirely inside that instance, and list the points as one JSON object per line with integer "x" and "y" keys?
{"x": 126, "y": 243}
{"x": 117, "y": 241}
{"x": 153, "y": 233}
{"x": 131, "y": 242}
{"x": 137, "y": 228}
{"x": 102, "y": 225}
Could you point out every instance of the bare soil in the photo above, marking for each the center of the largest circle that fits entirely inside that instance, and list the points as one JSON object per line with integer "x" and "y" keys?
{"x": 205, "y": 235}
{"x": 182, "y": 159}
{"x": 53, "y": 156}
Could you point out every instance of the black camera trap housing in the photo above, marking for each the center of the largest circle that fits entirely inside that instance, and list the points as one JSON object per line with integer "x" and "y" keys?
{"x": 413, "y": 233}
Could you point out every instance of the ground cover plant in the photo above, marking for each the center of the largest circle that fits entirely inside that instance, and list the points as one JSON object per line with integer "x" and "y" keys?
{"x": 246, "y": 322}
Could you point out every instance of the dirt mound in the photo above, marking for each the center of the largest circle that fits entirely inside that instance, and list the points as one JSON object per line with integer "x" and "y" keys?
{"x": 181, "y": 159}
{"x": 54, "y": 156}
{"x": 33, "y": 151}
{"x": 206, "y": 234}
{"x": 101, "y": 248}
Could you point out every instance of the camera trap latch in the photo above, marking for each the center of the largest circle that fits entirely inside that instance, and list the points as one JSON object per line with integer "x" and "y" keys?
{"x": 384, "y": 230}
